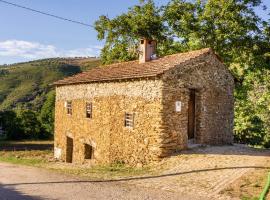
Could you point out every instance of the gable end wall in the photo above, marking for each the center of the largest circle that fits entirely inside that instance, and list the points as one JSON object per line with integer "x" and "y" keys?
{"x": 214, "y": 113}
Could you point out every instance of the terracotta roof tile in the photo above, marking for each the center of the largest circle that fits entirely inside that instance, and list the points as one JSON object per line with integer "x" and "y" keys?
{"x": 132, "y": 69}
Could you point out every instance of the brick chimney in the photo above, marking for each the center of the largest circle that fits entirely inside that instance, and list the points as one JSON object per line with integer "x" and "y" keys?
{"x": 147, "y": 50}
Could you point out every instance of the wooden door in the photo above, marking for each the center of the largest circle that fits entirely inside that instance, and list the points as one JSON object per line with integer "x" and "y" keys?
{"x": 191, "y": 114}
{"x": 69, "y": 150}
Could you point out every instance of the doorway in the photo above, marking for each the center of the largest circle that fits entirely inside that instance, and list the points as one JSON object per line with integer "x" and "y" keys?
{"x": 191, "y": 114}
{"x": 69, "y": 150}
{"x": 88, "y": 151}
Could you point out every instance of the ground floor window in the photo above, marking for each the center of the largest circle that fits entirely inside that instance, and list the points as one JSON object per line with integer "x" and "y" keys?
{"x": 88, "y": 151}
{"x": 69, "y": 150}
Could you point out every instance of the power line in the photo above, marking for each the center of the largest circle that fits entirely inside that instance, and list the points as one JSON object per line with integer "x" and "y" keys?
{"x": 48, "y": 14}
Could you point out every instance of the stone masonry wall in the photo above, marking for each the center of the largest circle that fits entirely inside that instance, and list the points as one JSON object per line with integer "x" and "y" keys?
{"x": 214, "y": 86}
{"x": 112, "y": 141}
{"x": 159, "y": 130}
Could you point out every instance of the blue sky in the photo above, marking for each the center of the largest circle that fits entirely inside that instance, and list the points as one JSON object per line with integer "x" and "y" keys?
{"x": 27, "y": 36}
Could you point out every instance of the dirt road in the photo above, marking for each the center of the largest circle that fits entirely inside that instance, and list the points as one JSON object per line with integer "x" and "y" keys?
{"x": 27, "y": 183}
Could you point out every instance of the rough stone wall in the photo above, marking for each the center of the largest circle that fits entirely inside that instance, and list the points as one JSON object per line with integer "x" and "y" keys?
{"x": 112, "y": 141}
{"x": 214, "y": 86}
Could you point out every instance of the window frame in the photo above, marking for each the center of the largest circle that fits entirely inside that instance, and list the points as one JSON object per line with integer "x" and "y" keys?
{"x": 129, "y": 120}
{"x": 69, "y": 107}
{"x": 89, "y": 110}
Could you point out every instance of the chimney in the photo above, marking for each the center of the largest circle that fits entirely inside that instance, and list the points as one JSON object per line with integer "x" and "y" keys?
{"x": 147, "y": 50}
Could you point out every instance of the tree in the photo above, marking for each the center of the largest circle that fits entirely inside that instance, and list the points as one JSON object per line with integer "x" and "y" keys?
{"x": 11, "y": 125}
{"x": 47, "y": 113}
{"x": 230, "y": 27}
{"x": 31, "y": 126}
{"x": 122, "y": 34}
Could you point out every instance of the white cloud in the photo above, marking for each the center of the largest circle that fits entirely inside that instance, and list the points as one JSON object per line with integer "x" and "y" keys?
{"x": 34, "y": 50}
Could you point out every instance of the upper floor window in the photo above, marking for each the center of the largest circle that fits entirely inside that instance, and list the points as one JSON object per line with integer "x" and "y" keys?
{"x": 69, "y": 107}
{"x": 129, "y": 120}
{"x": 88, "y": 110}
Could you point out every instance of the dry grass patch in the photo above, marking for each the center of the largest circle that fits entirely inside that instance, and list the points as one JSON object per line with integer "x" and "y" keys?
{"x": 249, "y": 186}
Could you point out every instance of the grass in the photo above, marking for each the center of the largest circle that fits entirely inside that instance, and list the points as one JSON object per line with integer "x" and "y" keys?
{"x": 100, "y": 172}
{"x": 22, "y": 161}
{"x": 249, "y": 186}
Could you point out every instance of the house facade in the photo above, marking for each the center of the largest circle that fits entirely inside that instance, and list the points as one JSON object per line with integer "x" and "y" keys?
{"x": 139, "y": 112}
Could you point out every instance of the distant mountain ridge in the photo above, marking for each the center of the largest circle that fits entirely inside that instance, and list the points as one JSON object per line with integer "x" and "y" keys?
{"x": 26, "y": 85}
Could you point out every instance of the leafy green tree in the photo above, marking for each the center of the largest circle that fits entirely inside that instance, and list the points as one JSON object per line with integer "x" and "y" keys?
{"x": 47, "y": 113}
{"x": 230, "y": 27}
{"x": 122, "y": 34}
{"x": 11, "y": 125}
{"x": 31, "y": 126}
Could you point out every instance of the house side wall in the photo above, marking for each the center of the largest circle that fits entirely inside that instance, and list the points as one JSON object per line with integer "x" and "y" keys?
{"x": 112, "y": 141}
{"x": 214, "y": 104}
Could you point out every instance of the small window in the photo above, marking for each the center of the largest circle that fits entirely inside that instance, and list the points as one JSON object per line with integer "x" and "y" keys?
{"x": 88, "y": 110}
{"x": 129, "y": 120}
{"x": 69, "y": 108}
{"x": 88, "y": 151}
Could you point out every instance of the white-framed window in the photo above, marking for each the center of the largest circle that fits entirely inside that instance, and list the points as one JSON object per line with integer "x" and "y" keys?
{"x": 88, "y": 110}
{"x": 69, "y": 107}
{"x": 129, "y": 120}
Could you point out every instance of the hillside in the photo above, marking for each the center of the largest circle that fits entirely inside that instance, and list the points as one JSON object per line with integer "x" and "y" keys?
{"x": 26, "y": 85}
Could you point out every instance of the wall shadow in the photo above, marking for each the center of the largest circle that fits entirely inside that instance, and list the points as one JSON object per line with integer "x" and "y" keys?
{"x": 7, "y": 193}
{"x": 139, "y": 178}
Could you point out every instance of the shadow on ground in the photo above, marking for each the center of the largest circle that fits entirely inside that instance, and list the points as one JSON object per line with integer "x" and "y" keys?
{"x": 236, "y": 149}
{"x": 25, "y": 147}
{"x": 138, "y": 178}
{"x": 8, "y": 193}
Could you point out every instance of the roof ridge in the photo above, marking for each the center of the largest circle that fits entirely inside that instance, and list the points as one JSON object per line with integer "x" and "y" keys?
{"x": 204, "y": 50}
{"x": 132, "y": 69}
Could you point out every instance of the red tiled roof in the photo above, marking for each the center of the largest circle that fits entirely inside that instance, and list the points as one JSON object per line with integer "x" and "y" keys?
{"x": 132, "y": 69}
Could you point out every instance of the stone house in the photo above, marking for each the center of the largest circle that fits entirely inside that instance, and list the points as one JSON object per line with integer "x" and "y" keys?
{"x": 140, "y": 111}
